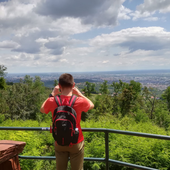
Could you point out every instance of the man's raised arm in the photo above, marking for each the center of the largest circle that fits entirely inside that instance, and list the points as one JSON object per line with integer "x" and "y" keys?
{"x": 79, "y": 94}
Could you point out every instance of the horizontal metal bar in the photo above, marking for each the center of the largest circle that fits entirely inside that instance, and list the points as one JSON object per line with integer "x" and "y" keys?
{"x": 90, "y": 159}
{"x": 38, "y": 157}
{"x": 48, "y": 129}
{"x": 95, "y": 159}
{"x": 26, "y": 128}
{"x": 139, "y": 134}
{"x": 127, "y": 133}
{"x": 130, "y": 165}
{"x": 54, "y": 158}
{"x": 93, "y": 130}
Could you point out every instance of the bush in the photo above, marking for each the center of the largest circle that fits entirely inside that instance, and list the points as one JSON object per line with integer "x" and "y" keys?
{"x": 37, "y": 143}
{"x": 141, "y": 116}
{"x": 2, "y": 118}
{"x": 2, "y": 83}
{"x": 136, "y": 150}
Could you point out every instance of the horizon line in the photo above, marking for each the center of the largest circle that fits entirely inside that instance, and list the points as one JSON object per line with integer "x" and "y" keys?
{"x": 88, "y": 71}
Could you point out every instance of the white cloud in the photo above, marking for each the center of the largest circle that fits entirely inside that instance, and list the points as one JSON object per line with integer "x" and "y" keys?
{"x": 137, "y": 15}
{"x": 68, "y": 26}
{"x": 162, "y": 6}
{"x": 19, "y": 58}
{"x": 144, "y": 38}
{"x": 8, "y": 44}
{"x": 124, "y": 13}
{"x": 106, "y": 61}
{"x": 30, "y": 32}
{"x": 151, "y": 19}
{"x": 64, "y": 60}
{"x": 39, "y": 35}
{"x": 15, "y": 15}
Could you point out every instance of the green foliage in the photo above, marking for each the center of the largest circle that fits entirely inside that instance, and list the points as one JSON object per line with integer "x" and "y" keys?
{"x": 88, "y": 88}
{"x": 166, "y": 96}
{"x": 28, "y": 80}
{"x": 150, "y": 95}
{"x": 3, "y": 84}
{"x": 2, "y": 70}
{"x": 118, "y": 87}
{"x": 136, "y": 86}
{"x": 55, "y": 83}
{"x": 141, "y": 116}
{"x": 162, "y": 118}
{"x": 137, "y": 150}
{"x": 2, "y": 118}
{"x": 103, "y": 105}
{"x": 126, "y": 96}
{"x": 3, "y": 103}
{"x": 37, "y": 143}
{"x": 104, "y": 88}
{"x": 127, "y": 100}
{"x": 23, "y": 100}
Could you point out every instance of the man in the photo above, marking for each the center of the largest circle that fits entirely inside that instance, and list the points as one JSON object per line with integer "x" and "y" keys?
{"x": 66, "y": 89}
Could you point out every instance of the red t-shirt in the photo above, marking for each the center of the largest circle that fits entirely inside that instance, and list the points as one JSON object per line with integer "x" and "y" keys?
{"x": 80, "y": 105}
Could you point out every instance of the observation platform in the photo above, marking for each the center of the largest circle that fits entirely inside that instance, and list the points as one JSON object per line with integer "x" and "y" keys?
{"x": 9, "y": 151}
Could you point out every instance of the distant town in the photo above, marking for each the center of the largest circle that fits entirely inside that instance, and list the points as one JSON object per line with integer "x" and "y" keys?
{"x": 159, "y": 79}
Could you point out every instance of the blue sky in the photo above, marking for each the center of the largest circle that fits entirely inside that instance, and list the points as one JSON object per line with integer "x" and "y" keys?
{"x": 91, "y": 35}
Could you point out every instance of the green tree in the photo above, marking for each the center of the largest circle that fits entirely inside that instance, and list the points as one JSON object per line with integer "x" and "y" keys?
{"x": 166, "y": 96}
{"x": 136, "y": 86}
{"x": 3, "y": 103}
{"x": 118, "y": 87}
{"x": 149, "y": 96}
{"x": 55, "y": 83}
{"x": 3, "y": 84}
{"x": 2, "y": 70}
{"x": 88, "y": 88}
{"x": 28, "y": 80}
{"x": 23, "y": 100}
{"x": 103, "y": 105}
{"x": 126, "y": 100}
{"x": 104, "y": 88}
{"x": 125, "y": 96}
{"x": 117, "y": 90}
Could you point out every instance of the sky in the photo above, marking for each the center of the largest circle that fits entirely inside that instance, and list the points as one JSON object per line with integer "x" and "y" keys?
{"x": 78, "y": 36}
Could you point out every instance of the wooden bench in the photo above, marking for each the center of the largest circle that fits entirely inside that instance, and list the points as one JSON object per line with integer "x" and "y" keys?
{"x": 9, "y": 151}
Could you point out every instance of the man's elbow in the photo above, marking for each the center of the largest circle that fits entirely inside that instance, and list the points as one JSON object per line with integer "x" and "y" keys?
{"x": 91, "y": 106}
{"x": 42, "y": 110}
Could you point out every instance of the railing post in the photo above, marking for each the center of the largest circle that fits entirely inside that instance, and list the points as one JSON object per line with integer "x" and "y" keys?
{"x": 107, "y": 149}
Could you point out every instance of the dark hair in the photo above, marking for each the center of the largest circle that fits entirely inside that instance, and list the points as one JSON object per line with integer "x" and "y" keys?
{"x": 66, "y": 80}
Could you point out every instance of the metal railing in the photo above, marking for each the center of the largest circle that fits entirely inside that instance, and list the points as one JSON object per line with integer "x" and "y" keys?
{"x": 106, "y": 131}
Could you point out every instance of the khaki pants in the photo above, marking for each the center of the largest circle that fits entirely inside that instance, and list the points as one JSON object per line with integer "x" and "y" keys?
{"x": 76, "y": 154}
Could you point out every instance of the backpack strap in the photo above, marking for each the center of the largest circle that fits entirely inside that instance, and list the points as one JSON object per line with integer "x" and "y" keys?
{"x": 72, "y": 100}
{"x": 58, "y": 100}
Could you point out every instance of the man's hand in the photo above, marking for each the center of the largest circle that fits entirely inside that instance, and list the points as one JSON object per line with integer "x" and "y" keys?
{"x": 76, "y": 91}
{"x": 56, "y": 91}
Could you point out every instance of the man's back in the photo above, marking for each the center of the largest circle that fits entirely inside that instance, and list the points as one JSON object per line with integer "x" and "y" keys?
{"x": 66, "y": 89}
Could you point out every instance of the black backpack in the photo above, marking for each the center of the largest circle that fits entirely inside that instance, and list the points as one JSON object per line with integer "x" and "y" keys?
{"x": 64, "y": 129}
